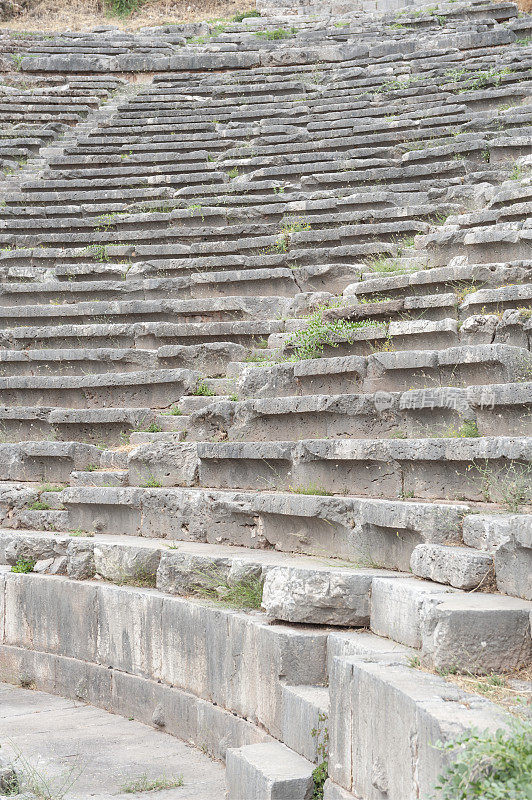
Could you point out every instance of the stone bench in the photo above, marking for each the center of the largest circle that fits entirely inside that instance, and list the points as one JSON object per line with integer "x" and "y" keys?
{"x": 383, "y": 371}
{"x": 363, "y": 530}
{"x": 46, "y": 461}
{"x": 159, "y": 388}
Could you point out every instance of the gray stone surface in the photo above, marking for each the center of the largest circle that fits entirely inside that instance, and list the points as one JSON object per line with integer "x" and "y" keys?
{"x": 177, "y": 712}
{"x": 460, "y": 567}
{"x": 513, "y": 559}
{"x": 305, "y": 719}
{"x": 334, "y": 792}
{"x": 318, "y": 596}
{"x": 268, "y": 771}
{"x": 364, "y": 531}
{"x": 391, "y": 750}
{"x": 100, "y": 753}
{"x": 228, "y": 658}
{"x": 176, "y": 205}
{"x": 480, "y": 632}
{"x": 396, "y": 607}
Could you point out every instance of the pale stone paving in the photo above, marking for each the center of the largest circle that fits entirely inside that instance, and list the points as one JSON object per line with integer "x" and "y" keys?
{"x": 99, "y": 753}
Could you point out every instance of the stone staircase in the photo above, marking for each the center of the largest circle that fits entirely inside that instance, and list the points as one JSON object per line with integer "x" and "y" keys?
{"x": 265, "y": 383}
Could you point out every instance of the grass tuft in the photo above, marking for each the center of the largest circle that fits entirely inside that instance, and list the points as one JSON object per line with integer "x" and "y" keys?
{"x": 310, "y": 488}
{"x": 145, "y": 784}
{"x": 244, "y": 594}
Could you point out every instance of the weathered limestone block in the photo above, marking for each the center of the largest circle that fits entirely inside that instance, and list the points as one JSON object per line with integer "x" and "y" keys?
{"x": 508, "y": 539}
{"x": 331, "y": 791}
{"x": 15, "y": 497}
{"x": 486, "y": 531}
{"x": 121, "y": 561}
{"x": 69, "y": 625}
{"x": 326, "y": 597}
{"x": 390, "y": 752}
{"x": 80, "y": 559}
{"x": 129, "y": 630}
{"x": 305, "y": 712}
{"x": 33, "y": 547}
{"x": 269, "y": 771}
{"x": 513, "y": 559}
{"x": 396, "y": 607}
{"x": 482, "y": 633}
{"x": 43, "y": 461}
{"x": 186, "y": 573}
{"x": 460, "y": 567}
{"x": 167, "y": 463}
{"x": 387, "y": 308}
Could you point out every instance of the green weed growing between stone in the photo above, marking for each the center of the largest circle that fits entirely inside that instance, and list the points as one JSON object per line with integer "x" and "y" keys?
{"x": 33, "y": 783}
{"x": 213, "y": 584}
{"x": 320, "y": 773}
{"x": 122, "y": 8}
{"x": 145, "y": 784}
{"x": 24, "y": 565}
{"x": 311, "y": 341}
{"x": 202, "y": 390}
{"x": 310, "y": 489}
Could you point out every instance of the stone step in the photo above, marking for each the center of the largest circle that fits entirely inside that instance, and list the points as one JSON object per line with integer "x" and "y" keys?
{"x": 364, "y": 531}
{"x": 306, "y": 710}
{"x": 447, "y": 469}
{"x": 268, "y": 771}
{"x": 46, "y": 461}
{"x": 458, "y": 278}
{"x": 106, "y": 478}
{"x": 99, "y": 246}
{"x": 390, "y": 356}
{"x": 280, "y": 281}
{"x": 332, "y": 594}
{"x": 294, "y": 655}
{"x": 451, "y": 628}
{"x": 148, "y": 335}
{"x": 426, "y": 616}
{"x": 445, "y": 411}
{"x": 156, "y": 388}
{"x": 372, "y": 752}
{"x": 210, "y": 359}
{"x": 219, "y": 309}
{"x": 468, "y": 365}
{"x": 104, "y": 426}
{"x": 201, "y": 224}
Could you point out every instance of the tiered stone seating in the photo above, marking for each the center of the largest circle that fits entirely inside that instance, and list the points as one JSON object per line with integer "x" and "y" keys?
{"x": 265, "y": 322}
{"x": 34, "y": 111}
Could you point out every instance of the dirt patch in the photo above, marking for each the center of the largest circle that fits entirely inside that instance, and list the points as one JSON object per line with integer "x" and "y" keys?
{"x": 75, "y": 15}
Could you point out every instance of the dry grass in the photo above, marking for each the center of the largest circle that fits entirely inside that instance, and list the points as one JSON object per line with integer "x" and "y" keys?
{"x": 75, "y": 15}
{"x": 512, "y": 691}
{"x": 497, "y": 688}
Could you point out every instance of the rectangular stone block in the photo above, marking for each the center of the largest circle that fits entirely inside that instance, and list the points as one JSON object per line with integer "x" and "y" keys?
{"x": 481, "y": 633}
{"x": 269, "y": 771}
{"x": 54, "y": 615}
{"x": 395, "y": 717}
{"x": 305, "y": 719}
{"x": 397, "y": 607}
{"x": 319, "y": 596}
